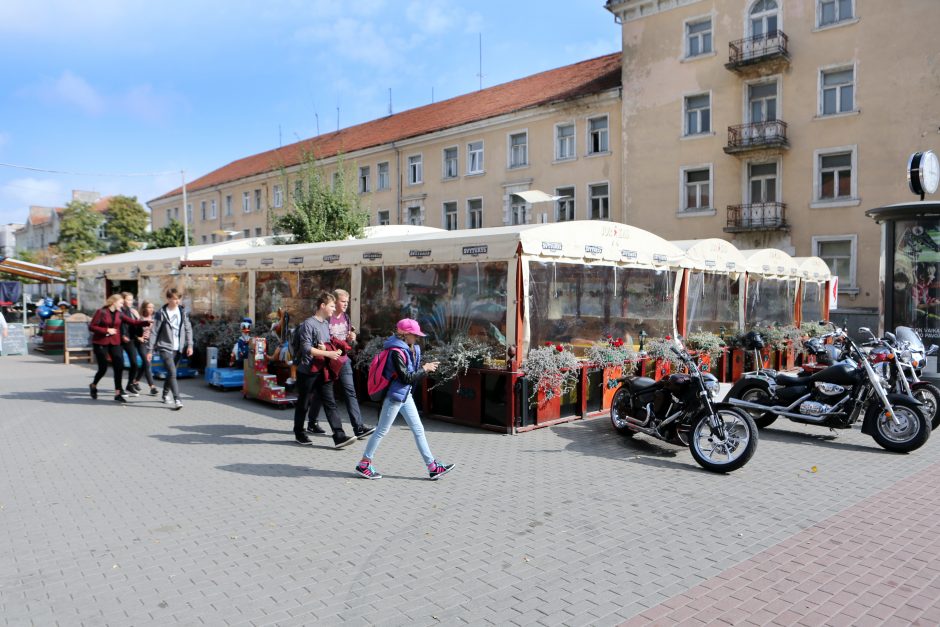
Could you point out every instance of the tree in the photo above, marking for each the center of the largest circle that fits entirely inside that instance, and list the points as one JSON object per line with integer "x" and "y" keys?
{"x": 78, "y": 235}
{"x": 318, "y": 211}
{"x": 127, "y": 224}
{"x": 169, "y": 236}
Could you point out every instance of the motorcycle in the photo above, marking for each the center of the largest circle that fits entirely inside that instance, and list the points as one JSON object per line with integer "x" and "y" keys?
{"x": 899, "y": 358}
{"x": 836, "y": 397}
{"x": 680, "y": 409}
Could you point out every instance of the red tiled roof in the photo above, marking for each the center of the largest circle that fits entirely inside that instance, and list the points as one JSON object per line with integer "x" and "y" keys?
{"x": 572, "y": 81}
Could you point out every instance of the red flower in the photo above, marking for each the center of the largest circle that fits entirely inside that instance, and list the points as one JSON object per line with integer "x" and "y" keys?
{"x": 609, "y": 336}
{"x": 548, "y": 343}
{"x": 668, "y": 337}
{"x": 559, "y": 348}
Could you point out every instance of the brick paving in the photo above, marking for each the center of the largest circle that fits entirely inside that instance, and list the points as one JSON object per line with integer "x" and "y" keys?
{"x": 138, "y": 515}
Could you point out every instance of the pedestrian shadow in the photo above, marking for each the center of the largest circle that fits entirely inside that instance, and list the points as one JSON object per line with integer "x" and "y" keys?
{"x": 229, "y": 434}
{"x": 291, "y": 471}
{"x": 596, "y": 438}
{"x": 827, "y": 440}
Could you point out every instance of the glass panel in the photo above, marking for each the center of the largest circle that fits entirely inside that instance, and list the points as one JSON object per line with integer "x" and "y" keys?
{"x": 837, "y": 78}
{"x": 846, "y": 97}
{"x": 845, "y": 184}
{"x": 713, "y": 301}
{"x": 763, "y": 90}
{"x": 295, "y": 291}
{"x": 845, "y": 9}
{"x": 812, "y": 301}
{"x": 828, "y": 13}
{"x": 700, "y": 27}
{"x": 763, "y": 169}
{"x": 835, "y": 248}
{"x": 706, "y": 121}
{"x": 446, "y": 299}
{"x": 770, "y": 301}
{"x": 693, "y": 176}
{"x": 91, "y": 293}
{"x": 697, "y": 102}
{"x": 706, "y": 195}
{"x": 829, "y": 101}
{"x": 581, "y": 303}
{"x": 707, "y": 42}
{"x": 833, "y": 161}
{"x": 828, "y": 185}
{"x": 694, "y": 46}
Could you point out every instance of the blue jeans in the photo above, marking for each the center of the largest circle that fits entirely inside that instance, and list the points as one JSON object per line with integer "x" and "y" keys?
{"x": 387, "y": 416}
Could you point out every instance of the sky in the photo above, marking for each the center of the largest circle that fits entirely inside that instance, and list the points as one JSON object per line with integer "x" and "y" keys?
{"x": 104, "y": 90}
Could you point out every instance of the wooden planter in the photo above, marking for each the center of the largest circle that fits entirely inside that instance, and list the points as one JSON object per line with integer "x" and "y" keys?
{"x": 737, "y": 364}
{"x": 609, "y": 386}
{"x": 547, "y": 409}
{"x": 468, "y": 398}
{"x": 704, "y": 361}
{"x": 723, "y": 371}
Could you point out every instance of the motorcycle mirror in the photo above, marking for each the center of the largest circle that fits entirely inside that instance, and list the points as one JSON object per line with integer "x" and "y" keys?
{"x": 866, "y": 330}
{"x": 891, "y": 337}
{"x": 932, "y": 350}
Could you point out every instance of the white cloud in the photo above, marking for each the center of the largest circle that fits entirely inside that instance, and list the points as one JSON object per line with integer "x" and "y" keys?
{"x": 4, "y": 139}
{"x": 435, "y": 18}
{"x": 24, "y": 192}
{"x": 145, "y": 103}
{"x": 590, "y": 49}
{"x": 53, "y": 19}
{"x": 68, "y": 89}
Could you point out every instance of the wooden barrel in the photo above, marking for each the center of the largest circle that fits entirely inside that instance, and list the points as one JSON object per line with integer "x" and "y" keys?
{"x": 53, "y": 335}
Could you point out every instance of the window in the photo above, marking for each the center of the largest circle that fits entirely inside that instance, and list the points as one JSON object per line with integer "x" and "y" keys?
{"x": 246, "y": 202}
{"x": 278, "y": 200}
{"x": 202, "y": 209}
{"x": 450, "y": 216}
{"x": 696, "y": 189}
{"x": 246, "y": 233}
{"x": 337, "y": 179}
{"x": 214, "y": 238}
{"x": 383, "y": 176}
{"x": 519, "y": 210}
{"x": 475, "y": 213}
{"x": 415, "y": 170}
{"x": 698, "y": 114}
{"x": 698, "y": 38}
{"x": 212, "y": 209}
{"x": 837, "y": 91}
{"x": 258, "y": 231}
{"x": 762, "y": 102}
{"x": 763, "y": 19}
{"x": 834, "y": 11}
{"x": 189, "y": 213}
{"x": 205, "y": 239}
{"x": 835, "y": 178}
{"x": 838, "y": 251}
{"x": 597, "y": 135}
{"x": 169, "y": 215}
{"x": 228, "y": 205}
{"x": 762, "y": 183}
{"x": 600, "y": 201}
{"x": 176, "y": 213}
{"x": 564, "y": 142}
{"x": 518, "y": 150}
{"x": 365, "y": 179}
{"x": 415, "y": 216}
{"x": 383, "y": 217}
{"x": 475, "y": 157}
{"x": 450, "y": 163}
{"x": 564, "y": 206}
{"x": 257, "y": 200}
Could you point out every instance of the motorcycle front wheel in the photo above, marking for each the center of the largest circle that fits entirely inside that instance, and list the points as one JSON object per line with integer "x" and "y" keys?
{"x": 735, "y": 450}
{"x": 618, "y": 411}
{"x": 929, "y": 397}
{"x": 909, "y": 434}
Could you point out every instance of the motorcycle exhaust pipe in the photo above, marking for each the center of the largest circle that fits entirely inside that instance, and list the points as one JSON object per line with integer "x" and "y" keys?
{"x": 778, "y": 410}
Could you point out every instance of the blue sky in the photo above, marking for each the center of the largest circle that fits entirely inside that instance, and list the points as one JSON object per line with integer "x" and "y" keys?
{"x": 129, "y": 86}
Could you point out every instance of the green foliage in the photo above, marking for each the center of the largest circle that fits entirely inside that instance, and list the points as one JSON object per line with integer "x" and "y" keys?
{"x": 365, "y": 353}
{"x": 662, "y": 349}
{"x": 127, "y": 224}
{"x": 78, "y": 234}
{"x": 705, "y": 342}
{"x": 170, "y": 236}
{"x": 613, "y": 353}
{"x": 812, "y": 329}
{"x": 320, "y": 211}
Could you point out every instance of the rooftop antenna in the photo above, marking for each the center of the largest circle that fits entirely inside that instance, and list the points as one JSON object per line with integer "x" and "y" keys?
{"x": 317, "y": 116}
{"x": 337, "y": 118}
{"x": 432, "y": 94}
{"x": 280, "y": 141}
{"x": 480, "y": 73}
{"x": 389, "y": 100}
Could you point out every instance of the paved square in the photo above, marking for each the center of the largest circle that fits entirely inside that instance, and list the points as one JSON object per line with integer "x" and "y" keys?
{"x": 139, "y": 515}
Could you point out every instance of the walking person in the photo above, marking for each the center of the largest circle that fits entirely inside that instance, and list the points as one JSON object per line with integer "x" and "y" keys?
{"x": 129, "y": 336}
{"x": 105, "y": 329}
{"x": 403, "y": 369}
{"x": 313, "y": 353}
{"x": 342, "y": 336}
{"x": 172, "y": 337}
{"x": 146, "y": 313}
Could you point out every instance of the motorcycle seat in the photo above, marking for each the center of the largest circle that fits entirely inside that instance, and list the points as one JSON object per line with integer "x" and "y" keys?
{"x": 638, "y": 384}
{"x": 789, "y": 379}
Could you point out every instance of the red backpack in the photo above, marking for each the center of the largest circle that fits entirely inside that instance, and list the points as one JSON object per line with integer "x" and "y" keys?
{"x": 377, "y": 383}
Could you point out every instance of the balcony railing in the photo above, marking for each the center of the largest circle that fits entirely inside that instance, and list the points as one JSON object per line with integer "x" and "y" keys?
{"x": 757, "y": 49}
{"x": 757, "y": 136}
{"x": 765, "y": 216}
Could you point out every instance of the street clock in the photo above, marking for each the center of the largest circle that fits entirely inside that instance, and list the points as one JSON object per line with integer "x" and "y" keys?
{"x": 923, "y": 173}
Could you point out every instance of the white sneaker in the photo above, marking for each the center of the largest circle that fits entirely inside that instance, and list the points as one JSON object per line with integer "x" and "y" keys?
{"x": 166, "y": 399}
{"x": 178, "y": 406}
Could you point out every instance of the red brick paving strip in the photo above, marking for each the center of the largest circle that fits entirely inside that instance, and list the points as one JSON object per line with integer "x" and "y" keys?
{"x": 876, "y": 562}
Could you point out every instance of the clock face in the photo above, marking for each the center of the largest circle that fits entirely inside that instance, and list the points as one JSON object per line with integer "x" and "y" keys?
{"x": 929, "y": 172}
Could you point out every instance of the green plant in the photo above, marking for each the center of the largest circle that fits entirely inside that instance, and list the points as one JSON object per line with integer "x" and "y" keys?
{"x": 219, "y": 333}
{"x": 705, "y": 342}
{"x": 551, "y": 369}
{"x": 367, "y": 352}
{"x": 456, "y": 357}
{"x": 812, "y": 329}
{"x": 662, "y": 349}
{"x": 613, "y": 353}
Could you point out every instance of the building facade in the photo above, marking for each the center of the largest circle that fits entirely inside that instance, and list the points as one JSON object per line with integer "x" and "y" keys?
{"x": 777, "y": 124}
{"x": 454, "y": 164}
{"x": 8, "y": 239}
{"x": 42, "y": 226}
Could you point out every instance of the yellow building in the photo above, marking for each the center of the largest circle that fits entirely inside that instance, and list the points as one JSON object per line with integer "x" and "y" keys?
{"x": 455, "y": 164}
{"x": 777, "y": 124}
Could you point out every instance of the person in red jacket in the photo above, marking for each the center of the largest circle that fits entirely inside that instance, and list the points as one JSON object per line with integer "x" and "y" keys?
{"x": 105, "y": 329}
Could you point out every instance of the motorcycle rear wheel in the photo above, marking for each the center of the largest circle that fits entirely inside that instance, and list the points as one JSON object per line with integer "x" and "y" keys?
{"x": 929, "y": 397}
{"x": 738, "y": 447}
{"x": 757, "y": 392}
{"x": 910, "y": 434}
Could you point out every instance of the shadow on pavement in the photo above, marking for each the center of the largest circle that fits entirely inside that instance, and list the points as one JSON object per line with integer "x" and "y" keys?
{"x": 826, "y": 439}
{"x": 232, "y": 434}
{"x": 288, "y": 470}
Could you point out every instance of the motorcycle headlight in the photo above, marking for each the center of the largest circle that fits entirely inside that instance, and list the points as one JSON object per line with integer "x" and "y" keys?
{"x": 712, "y": 386}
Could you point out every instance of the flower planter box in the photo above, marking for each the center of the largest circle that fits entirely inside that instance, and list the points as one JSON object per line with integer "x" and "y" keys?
{"x": 468, "y": 398}
{"x": 547, "y": 409}
{"x": 723, "y": 372}
{"x": 609, "y": 385}
{"x": 704, "y": 361}
{"x": 737, "y": 364}
{"x": 662, "y": 369}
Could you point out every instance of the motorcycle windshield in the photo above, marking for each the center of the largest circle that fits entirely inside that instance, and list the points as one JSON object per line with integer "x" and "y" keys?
{"x": 907, "y": 334}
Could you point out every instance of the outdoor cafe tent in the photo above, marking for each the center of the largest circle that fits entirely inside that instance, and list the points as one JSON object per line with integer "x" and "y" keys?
{"x": 814, "y": 279}
{"x": 772, "y": 287}
{"x": 28, "y": 270}
{"x": 713, "y": 287}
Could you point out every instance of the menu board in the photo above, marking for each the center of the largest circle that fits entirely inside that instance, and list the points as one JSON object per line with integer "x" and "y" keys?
{"x": 77, "y": 335}
{"x": 15, "y": 342}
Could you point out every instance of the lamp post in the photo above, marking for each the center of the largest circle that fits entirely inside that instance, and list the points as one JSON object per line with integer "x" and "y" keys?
{"x": 185, "y": 219}
{"x": 642, "y": 339}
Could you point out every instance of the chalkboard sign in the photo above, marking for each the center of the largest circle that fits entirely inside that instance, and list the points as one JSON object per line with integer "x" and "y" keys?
{"x": 77, "y": 335}
{"x": 15, "y": 342}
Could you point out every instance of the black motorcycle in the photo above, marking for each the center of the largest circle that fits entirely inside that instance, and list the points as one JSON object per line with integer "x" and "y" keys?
{"x": 899, "y": 357}
{"x": 679, "y": 409}
{"x": 836, "y": 397}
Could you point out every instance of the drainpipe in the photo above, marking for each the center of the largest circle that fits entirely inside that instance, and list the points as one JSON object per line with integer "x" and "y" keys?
{"x": 398, "y": 176}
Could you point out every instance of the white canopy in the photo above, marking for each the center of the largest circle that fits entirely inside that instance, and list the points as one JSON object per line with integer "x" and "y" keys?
{"x": 770, "y": 262}
{"x": 712, "y": 254}
{"x": 160, "y": 260}
{"x": 813, "y": 269}
{"x": 533, "y": 196}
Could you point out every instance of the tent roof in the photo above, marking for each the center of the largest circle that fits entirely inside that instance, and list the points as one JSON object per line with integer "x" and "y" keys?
{"x": 584, "y": 240}
{"x": 712, "y": 254}
{"x": 770, "y": 262}
{"x": 29, "y": 270}
{"x": 813, "y": 269}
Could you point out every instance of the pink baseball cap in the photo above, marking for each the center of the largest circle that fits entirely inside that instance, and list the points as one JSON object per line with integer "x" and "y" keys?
{"x": 407, "y": 325}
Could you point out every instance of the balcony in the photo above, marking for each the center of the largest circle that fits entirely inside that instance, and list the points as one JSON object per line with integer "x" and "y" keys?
{"x": 770, "y": 135}
{"x": 769, "y": 48}
{"x": 766, "y": 216}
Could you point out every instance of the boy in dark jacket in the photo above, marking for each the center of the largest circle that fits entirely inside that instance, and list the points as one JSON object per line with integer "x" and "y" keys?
{"x": 172, "y": 337}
